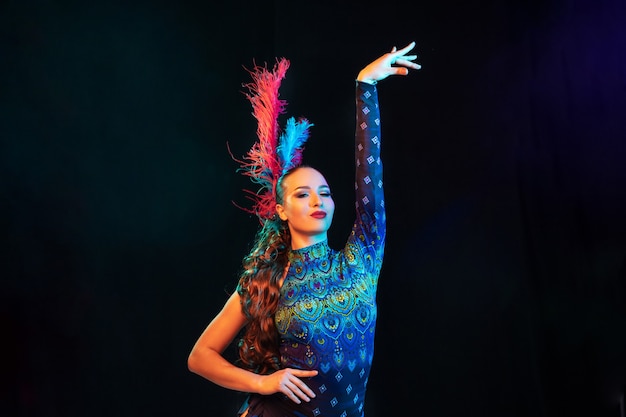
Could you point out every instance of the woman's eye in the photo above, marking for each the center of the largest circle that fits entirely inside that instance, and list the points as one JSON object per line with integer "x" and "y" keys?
{"x": 303, "y": 195}
{"x": 326, "y": 194}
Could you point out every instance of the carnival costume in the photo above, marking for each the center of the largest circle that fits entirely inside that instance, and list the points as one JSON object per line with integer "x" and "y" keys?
{"x": 326, "y": 315}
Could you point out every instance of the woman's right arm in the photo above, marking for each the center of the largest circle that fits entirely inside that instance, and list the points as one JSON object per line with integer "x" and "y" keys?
{"x": 207, "y": 361}
{"x": 206, "y": 357}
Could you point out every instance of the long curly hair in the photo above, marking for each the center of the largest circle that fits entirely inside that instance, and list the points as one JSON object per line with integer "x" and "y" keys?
{"x": 259, "y": 290}
{"x": 272, "y": 158}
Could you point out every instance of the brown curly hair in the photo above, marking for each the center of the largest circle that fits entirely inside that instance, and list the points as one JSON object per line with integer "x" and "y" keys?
{"x": 259, "y": 289}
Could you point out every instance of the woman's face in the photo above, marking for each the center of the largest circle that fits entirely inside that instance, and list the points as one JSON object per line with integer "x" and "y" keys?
{"x": 307, "y": 206}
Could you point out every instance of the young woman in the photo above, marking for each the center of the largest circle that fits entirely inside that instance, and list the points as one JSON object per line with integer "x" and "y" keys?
{"x": 308, "y": 312}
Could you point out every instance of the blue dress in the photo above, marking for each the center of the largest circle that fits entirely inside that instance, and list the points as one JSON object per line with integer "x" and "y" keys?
{"x": 326, "y": 315}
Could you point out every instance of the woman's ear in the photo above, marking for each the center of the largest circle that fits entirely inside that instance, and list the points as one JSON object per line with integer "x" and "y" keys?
{"x": 280, "y": 210}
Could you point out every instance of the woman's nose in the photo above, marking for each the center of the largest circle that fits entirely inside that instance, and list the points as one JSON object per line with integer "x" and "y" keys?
{"x": 315, "y": 200}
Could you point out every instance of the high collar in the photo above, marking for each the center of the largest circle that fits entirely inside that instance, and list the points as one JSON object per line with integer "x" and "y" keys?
{"x": 309, "y": 253}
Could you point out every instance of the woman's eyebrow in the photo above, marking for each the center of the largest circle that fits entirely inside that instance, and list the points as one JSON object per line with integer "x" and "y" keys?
{"x": 308, "y": 188}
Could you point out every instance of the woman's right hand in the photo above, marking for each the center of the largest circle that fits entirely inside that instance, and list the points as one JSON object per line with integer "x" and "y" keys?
{"x": 289, "y": 383}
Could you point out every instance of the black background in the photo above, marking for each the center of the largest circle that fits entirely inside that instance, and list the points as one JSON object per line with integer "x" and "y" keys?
{"x": 503, "y": 288}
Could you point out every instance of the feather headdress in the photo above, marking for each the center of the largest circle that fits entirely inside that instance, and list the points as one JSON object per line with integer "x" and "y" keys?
{"x": 276, "y": 151}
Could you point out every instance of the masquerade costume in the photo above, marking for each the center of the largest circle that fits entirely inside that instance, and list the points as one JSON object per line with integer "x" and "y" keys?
{"x": 327, "y": 311}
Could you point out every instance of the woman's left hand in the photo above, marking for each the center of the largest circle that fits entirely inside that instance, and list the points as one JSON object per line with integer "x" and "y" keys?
{"x": 383, "y": 67}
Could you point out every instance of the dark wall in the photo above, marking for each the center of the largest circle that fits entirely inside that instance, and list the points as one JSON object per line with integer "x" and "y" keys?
{"x": 503, "y": 288}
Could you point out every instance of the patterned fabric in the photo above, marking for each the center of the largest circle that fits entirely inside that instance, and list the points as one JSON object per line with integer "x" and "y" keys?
{"x": 327, "y": 312}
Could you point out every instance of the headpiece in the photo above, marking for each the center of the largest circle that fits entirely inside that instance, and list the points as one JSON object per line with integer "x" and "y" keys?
{"x": 276, "y": 151}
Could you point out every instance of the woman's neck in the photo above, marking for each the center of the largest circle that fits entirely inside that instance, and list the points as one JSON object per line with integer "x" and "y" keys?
{"x": 302, "y": 241}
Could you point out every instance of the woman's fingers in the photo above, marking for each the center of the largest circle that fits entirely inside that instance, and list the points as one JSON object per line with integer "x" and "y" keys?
{"x": 302, "y": 373}
{"x": 407, "y": 61}
{"x": 399, "y": 57}
{"x": 304, "y": 388}
{"x": 295, "y": 393}
{"x": 295, "y": 388}
{"x": 405, "y": 49}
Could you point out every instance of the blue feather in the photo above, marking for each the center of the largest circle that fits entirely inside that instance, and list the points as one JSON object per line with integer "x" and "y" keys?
{"x": 291, "y": 143}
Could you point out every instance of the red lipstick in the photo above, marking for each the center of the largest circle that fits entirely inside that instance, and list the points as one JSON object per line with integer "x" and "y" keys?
{"x": 318, "y": 214}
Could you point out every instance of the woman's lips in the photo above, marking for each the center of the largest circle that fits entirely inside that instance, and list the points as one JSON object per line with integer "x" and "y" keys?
{"x": 318, "y": 214}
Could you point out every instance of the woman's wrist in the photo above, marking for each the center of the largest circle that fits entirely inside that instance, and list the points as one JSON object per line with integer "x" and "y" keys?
{"x": 364, "y": 79}
{"x": 257, "y": 383}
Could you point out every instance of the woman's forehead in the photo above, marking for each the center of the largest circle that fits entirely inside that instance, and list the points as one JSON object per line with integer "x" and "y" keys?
{"x": 305, "y": 177}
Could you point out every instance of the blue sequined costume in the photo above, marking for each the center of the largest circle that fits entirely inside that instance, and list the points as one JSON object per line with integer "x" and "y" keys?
{"x": 327, "y": 312}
